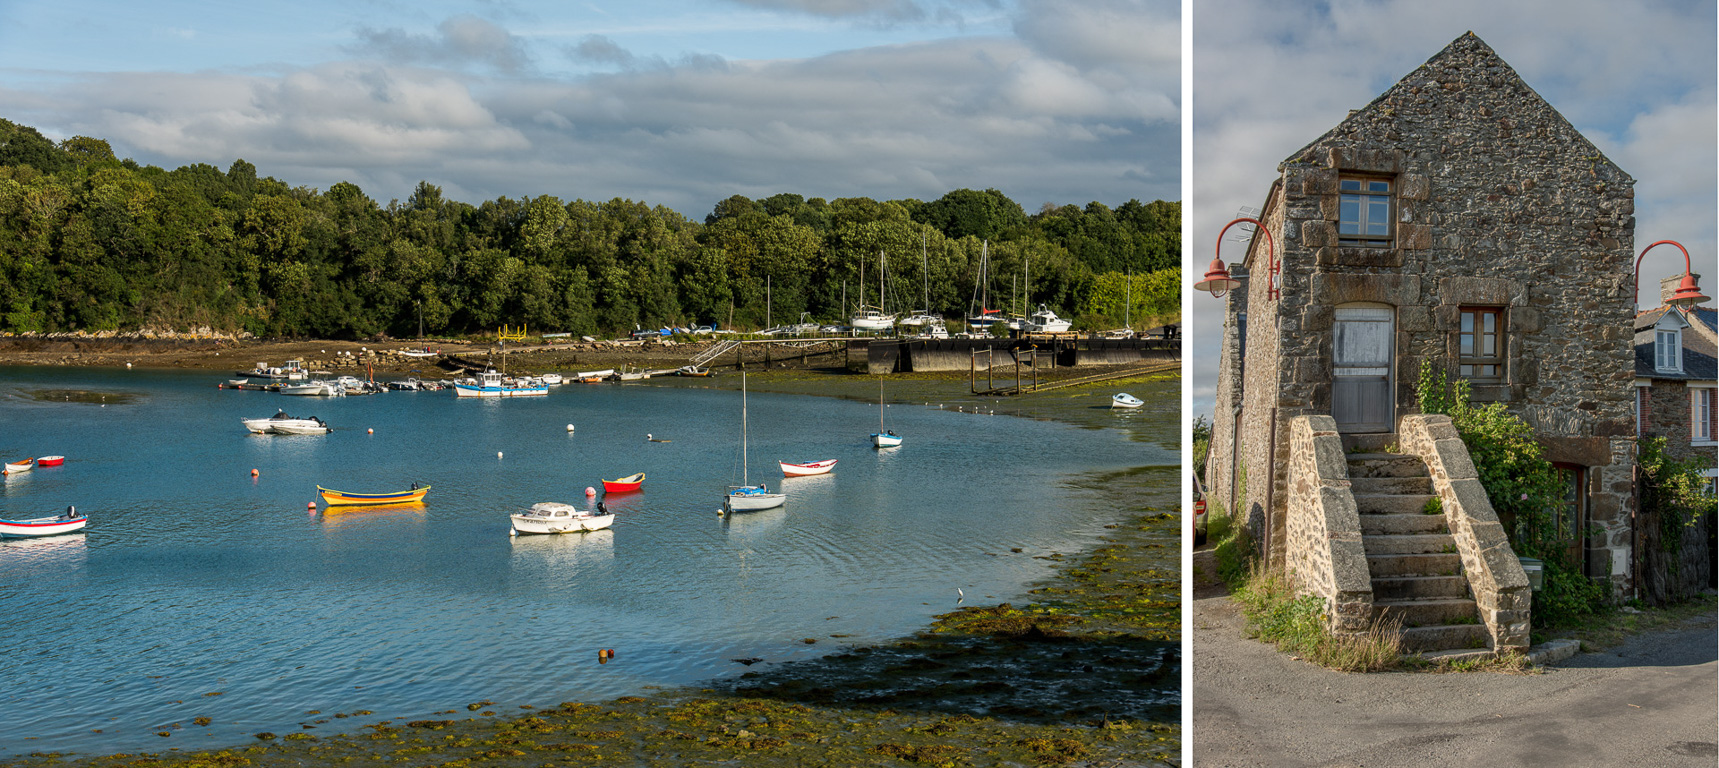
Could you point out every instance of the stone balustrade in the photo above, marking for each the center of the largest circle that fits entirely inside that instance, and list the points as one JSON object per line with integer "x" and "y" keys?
{"x": 1323, "y": 528}
{"x": 1495, "y": 576}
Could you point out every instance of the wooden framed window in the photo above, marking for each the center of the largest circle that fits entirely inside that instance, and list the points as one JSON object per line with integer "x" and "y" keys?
{"x": 1480, "y": 344}
{"x": 1701, "y": 415}
{"x": 1667, "y": 349}
{"x": 1364, "y": 212}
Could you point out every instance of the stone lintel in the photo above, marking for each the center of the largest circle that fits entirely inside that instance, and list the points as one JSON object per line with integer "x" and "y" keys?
{"x": 1481, "y": 291}
{"x": 1396, "y": 290}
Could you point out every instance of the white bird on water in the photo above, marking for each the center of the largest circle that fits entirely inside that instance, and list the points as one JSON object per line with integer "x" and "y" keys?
{"x": 959, "y": 595}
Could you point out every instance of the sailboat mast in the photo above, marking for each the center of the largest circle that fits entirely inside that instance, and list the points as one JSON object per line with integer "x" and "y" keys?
{"x": 925, "y": 272}
{"x": 744, "y": 478}
{"x": 880, "y": 405}
{"x": 881, "y": 301}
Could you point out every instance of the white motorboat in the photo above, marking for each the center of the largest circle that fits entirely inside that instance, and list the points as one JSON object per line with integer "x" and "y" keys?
{"x": 491, "y": 384}
{"x": 313, "y": 388}
{"x": 311, "y": 426}
{"x": 272, "y": 424}
{"x": 808, "y": 469}
{"x": 1125, "y": 400}
{"x": 747, "y": 497}
{"x": 551, "y": 379}
{"x": 883, "y": 438}
{"x": 1046, "y": 321}
{"x": 67, "y": 522}
{"x": 554, "y": 517}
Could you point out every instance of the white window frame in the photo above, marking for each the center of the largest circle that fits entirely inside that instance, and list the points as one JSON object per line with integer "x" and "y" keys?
{"x": 1701, "y": 397}
{"x": 1667, "y": 350}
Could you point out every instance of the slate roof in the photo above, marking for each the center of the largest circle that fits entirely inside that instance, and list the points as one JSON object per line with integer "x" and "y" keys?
{"x": 1698, "y": 352}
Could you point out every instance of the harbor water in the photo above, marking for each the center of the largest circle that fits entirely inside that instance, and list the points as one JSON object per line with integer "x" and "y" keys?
{"x": 200, "y": 591}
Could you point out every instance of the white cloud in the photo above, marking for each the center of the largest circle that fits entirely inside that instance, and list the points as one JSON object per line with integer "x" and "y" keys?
{"x": 458, "y": 41}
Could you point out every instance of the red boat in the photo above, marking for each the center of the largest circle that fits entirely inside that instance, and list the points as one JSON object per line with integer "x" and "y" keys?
{"x": 628, "y": 483}
{"x": 50, "y": 461}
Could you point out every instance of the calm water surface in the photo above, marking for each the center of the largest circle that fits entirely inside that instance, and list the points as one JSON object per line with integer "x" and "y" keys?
{"x": 198, "y": 591}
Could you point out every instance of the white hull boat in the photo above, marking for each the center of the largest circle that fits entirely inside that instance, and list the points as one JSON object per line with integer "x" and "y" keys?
{"x": 14, "y": 467}
{"x": 885, "y": 440}
{"x": 317, "y": 388}
{"x": 491, "y": 384}
{"x": 1046, "y": 321}
{"x": 807, "y": 470}
{"x": 553, "y": 517}
{"x": 1125, "y": 400}
{"x": 747, "y": 497}
{"x": 872, "y": 320}
{"x": 71, "y": 521}
{"x": 551, "y": 379}
{"x": 301, "y": 427}
{"x": 268, "y": 425}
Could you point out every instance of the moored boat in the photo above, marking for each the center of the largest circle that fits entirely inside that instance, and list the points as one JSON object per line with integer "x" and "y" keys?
{"x": 1046, "y": 321}
{"x": 629, "y": 483}
{"x": 883, "y": 438}
{"x": 491, "y": 384}
{"x": 67, "y": 522}
{"x": 50, "y": 461}
{"x": 790, "y": 469}
{"x": 14, "y": 467}
{"x": 272, "y": 424}
{"x": 747, "y": 497}
{"x": 1125, "y": 400}
{"x": 342, "y": 498}
{"x": 554, "y": 517}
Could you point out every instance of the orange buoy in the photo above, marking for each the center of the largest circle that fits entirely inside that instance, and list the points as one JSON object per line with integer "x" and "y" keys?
{"x": 253, "y": 473}
{"x": 371, "y": 431}
{"x": 589, "y": 491}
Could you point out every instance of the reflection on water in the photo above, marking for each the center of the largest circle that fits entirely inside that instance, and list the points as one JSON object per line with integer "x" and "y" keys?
{"x": 195, "y": 577}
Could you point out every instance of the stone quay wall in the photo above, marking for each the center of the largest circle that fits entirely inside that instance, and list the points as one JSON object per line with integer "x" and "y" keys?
{"x": 1323, "y": 529}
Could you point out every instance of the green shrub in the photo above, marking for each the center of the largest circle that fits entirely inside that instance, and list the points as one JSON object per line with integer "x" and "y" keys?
{"x": 1523, "y": 488}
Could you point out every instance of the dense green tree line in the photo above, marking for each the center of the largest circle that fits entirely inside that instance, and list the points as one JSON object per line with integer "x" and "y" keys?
{"x": 92, "y": 242}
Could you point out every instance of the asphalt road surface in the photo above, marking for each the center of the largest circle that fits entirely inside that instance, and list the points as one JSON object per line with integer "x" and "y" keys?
{"x": 1651, "y": 702}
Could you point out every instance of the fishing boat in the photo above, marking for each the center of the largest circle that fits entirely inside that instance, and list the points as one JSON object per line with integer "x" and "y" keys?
{"x": 67, "y": 522}
{"x": 342, "y": 498}
{"x": 806, "y": 470}
{"x": 747, "y": 497}
{"x": 50, "y": 461}
{"x": 553, "y": 517}
{"x": 628, "y": 483}
{"x": 1125, "y": 400}
{"x": 491, "y": 384}
{"x": 14, "y": 467}
{"x": 883, "y": 438}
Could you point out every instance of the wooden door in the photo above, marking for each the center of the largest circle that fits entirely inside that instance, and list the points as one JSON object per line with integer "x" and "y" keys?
{"x": 1362, "y": 340}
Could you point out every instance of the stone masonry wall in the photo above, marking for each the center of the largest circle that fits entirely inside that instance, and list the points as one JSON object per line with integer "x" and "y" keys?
{"x": 1220, "y": 465}
{"x": 1499, "y": 202}
{"x": 1495, "y": 576}
{"x": 1668, "y": 416}
{"x": 1323, "y": 527}
{"x": 1264, "y": 379}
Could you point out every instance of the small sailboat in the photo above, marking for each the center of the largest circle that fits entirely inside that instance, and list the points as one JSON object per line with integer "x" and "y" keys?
{"x": 872, "y": 318}
{"x": 342, "y": 498}
{"x": 67, "y": 522}
{"x": 1125, "y": 400}
{"x": 553, "y": 517}
{"x": 790, "y": 469}
{"x": 883, "y": 438}
{"x": 747, "y": 497}
{"x": 625, "y": 484}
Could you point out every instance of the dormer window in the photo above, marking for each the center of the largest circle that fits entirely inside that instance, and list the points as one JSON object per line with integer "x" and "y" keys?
{"x": 1364, "y": 212}
{"x": 1667, "y": 351}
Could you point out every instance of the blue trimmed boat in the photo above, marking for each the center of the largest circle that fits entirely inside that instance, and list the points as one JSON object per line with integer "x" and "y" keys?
{"x": 342, "y": 498}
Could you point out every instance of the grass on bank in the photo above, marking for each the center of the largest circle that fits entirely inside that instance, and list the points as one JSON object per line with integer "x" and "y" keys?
{"x": 1297, "y": 625}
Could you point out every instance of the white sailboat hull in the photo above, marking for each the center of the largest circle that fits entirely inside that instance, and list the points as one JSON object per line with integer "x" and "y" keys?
{"x": 881, "y": 440}
{"x": 872, "y": 322}
{"x": 741, "y": 501}
{"x": 528, "y": 524}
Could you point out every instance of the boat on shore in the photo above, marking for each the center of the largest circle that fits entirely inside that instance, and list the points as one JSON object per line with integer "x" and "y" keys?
{"x": 1046, "y": 321}
{"x": 629, "y": 483}
{"x": 1125, "y": 400}
{"x": 554, "y": 517}
{"x": 790, "y": 469}
{"x": 342, "y": 498}
{"x": 66, "y": 522}
{"x": 492, "y": 384}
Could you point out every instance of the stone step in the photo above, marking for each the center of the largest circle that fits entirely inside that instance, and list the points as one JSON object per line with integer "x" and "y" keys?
{"x": 1401, "y": 524}
{"x": 1427, "y": 612}
{"x": 1444, "y": 637}
{"x": 1386, "y": 465}
{"x": 1374, "y": 442}
{"x": 1390, "y": 485}
{"x": 1393, "y": 503}
{"x": 1414, "y": 565}
{"x": 1412, "y": 587}
{"x": 1408, "y": 544}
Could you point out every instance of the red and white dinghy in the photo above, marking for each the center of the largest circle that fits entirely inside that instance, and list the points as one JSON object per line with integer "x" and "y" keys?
{"x": 804, "y": 470}
{"x": 72, "y": 520}
{"x": 50, "y": 461}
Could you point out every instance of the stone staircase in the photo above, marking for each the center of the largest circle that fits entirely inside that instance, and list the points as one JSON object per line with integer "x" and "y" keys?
{"x": 1412, "y": 559}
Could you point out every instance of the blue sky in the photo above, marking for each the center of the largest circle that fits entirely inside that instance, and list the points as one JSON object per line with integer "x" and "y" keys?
{"x": 675, "y": 103}
{"x": 1638, "y": 79}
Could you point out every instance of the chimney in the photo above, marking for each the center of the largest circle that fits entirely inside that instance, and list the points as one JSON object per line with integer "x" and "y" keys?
{"x": 1668, "y": 286}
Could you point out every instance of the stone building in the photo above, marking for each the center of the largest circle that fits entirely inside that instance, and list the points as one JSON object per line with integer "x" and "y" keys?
{"x": 1675, "y": 379}
{"x": 1460, "y": 220}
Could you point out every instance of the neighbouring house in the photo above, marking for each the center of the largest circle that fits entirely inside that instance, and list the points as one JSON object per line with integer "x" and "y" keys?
{"x": 1675, "y": 387}
{"x": 1458, "y": 219}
